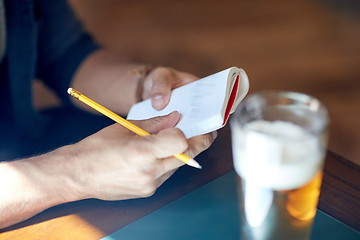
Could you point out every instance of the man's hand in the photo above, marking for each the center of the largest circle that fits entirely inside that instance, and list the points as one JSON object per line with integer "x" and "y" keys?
{"x": 112, "y": 164}
{"x": 122, "y": 165}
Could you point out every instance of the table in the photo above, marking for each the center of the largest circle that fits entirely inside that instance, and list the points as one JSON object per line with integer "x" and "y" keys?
{"x": 210, "y": 212}
{"x": 339, "y": 203}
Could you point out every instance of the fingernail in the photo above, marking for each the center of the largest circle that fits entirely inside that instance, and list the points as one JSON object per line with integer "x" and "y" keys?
{"x": 158, "y": 101}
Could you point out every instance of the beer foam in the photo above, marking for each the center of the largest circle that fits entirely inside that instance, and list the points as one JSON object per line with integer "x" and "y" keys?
{"x": 278, "y": 155}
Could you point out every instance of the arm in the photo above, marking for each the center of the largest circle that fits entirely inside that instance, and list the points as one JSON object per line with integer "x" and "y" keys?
{"x": 113, "y": 82}
{"x": 134, "y": 166}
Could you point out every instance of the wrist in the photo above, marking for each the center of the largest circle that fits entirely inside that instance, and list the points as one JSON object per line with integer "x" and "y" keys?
{"x": 141, "y": 73}
{"x": 68, "y": 174}
{"x": 54, "y": 177}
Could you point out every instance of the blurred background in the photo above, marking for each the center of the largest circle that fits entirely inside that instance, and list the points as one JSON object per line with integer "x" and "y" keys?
{"x": 311, "y": 46}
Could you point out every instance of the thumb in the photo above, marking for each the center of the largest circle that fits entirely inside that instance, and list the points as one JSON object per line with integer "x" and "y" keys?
{"x": 156, "y": 124}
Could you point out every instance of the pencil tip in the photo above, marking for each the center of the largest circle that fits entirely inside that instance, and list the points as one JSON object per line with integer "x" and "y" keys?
{"x": 194, "y": 163}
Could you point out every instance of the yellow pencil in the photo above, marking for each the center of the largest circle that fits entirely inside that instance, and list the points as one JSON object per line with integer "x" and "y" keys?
{"x": 132, "y": 127}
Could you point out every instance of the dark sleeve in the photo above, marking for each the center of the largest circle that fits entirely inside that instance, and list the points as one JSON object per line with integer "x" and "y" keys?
{"x": 62, "y": 45}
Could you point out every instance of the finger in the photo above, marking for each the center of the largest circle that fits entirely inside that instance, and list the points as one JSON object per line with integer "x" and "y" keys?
{"x": 156, "y": 124}
{"x": 157, "y": 151}
{"x": 161, "y": 88}
{"x": 163, "y": 81}
{"x": 200, "y": 143}
{"x": 185, "y": 78}
{"x": 171, "y": 163}
{"x": 167, "y": 143}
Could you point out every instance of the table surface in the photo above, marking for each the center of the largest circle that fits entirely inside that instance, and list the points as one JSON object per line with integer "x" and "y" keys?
{"x": 211, "y": 212}
{"x": 95, "y": 219}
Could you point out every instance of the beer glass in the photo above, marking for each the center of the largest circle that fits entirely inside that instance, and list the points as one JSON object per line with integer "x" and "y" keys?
{"x": 279, "y": 142}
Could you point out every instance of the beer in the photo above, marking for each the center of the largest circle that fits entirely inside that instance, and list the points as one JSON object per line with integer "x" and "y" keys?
{"x": 280, "y": 171}
{"x": 301, "y": 203}
{"x": 286, "y": 217}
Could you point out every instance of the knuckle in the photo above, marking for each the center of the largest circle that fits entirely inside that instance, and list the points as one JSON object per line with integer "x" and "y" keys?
{"x": 162, "y": 70}
{"x": 181, "y": 138}
{"x": 162, "y": 73}
{"x": 178, "y": 133}
{"x": 157, "y": 120}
